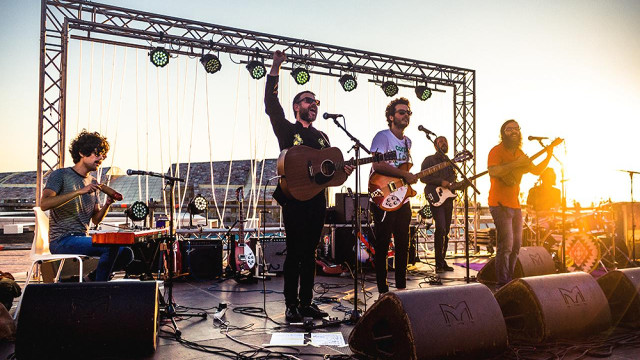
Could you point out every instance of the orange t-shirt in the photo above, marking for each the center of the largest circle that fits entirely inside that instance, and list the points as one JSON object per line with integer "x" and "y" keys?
{"x": 500, "y": 193}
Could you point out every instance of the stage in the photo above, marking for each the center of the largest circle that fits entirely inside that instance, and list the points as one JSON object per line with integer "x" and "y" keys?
{"x": 247, "y": 330}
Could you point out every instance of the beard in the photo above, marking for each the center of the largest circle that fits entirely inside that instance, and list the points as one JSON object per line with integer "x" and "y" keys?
{"x": 513, "y": 141}
{"x": 306, "y": 116}
{"x": 400, "y": 124}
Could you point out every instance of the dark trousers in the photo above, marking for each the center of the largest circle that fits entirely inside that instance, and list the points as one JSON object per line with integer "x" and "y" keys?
{"x": 303, "y": 223}
{"x": 442, "y": 219}
{"x": 389, "y": 223}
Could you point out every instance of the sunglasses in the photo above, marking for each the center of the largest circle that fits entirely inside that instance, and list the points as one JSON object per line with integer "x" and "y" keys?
{"x": 309, "y": 100}
{"x": 402, "y": 112}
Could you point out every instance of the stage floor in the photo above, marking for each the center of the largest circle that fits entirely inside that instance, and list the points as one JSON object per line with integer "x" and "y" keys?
{"x": 247, "y": 328}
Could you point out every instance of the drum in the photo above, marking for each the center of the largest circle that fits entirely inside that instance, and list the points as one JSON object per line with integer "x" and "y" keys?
{"x": 582, "y": 252}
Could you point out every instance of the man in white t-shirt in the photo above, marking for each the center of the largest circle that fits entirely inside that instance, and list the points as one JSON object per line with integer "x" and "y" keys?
{"x": 397, "y": 222}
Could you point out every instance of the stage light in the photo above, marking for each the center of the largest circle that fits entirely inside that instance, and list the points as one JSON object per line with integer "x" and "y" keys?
{"x": 390, "y": 88}
{"x": 256, "y": 69}
{"x": 211, "y": 63}
{"x": 301, "y": 75}
{"x": 159, "y": 57}
{"x": 198, "y": 205}
{"x": 348, "y": 82}
{"x": 423, "y": 93}
{"x": 138, "y": 211}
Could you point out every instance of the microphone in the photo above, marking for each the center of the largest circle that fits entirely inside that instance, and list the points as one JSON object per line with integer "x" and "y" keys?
{"x": 534, "y": 138}
{"x": 331, "y": 116}
{"x": 142, "y": 172}
{"x": 426, "y": 131}
{"x": 110, "y": 192}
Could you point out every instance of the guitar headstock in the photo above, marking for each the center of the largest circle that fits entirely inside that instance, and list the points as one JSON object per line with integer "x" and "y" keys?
{"x": 464, "y": 155}
{"x": 556, "y": 142}
{"x": 389, "y": 155}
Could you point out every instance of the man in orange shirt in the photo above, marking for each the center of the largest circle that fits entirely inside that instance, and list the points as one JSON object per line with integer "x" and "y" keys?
{"x": 507, "y": 163}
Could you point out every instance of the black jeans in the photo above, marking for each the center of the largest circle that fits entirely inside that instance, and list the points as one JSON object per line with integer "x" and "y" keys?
{"x": 303, "y": 222}
{"x": 442, "y": 219}
{"x": 389, "y": 223}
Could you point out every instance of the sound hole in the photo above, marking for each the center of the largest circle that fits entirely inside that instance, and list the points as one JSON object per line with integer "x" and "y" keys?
{"x": 383, "y": 338}
{"x": 328, "y": 168}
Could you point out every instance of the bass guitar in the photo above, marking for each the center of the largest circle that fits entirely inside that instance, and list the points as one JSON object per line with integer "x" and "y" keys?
{"x": 436, "y": 196}
{"x": 306, "y": 171}
{"x": 244, "y": 257}
{"x": 389, "y": 192}
{"x": 513, "y": 178}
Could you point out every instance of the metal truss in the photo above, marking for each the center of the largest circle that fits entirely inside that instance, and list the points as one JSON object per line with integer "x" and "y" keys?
{"x": 62, "y": 20}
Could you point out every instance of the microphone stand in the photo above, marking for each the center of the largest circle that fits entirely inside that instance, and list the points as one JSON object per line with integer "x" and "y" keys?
{"x": 170, "y": 310}
{"x": 467, "y": 183}
{"x": 355, "y": 313}
{"x": 633, "y": 219}
{"x": 563, "y": 205}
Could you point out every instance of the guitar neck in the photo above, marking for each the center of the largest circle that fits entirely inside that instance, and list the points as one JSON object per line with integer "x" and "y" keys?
{"x": 364, "y": 161}
{"x": 433, "y": 169}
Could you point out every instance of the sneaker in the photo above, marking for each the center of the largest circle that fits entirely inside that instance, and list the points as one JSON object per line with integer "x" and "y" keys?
{"x": 292, "y": 314}
{"x": 312, "y": 311}
{"x": 446, "y": 267}
{"x": 439, "y": 269}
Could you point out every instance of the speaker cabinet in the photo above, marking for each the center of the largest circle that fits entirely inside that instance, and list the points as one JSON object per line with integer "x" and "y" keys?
{"x": 621, "y": 289}
{"x": 202, "y": 258}
{"x": 554, "y": 306}
{"x": 344, "y": 209}
{"x": 69, "y": 320}
{"x": 532, "y": 261}
{"x": 431, "y": 323}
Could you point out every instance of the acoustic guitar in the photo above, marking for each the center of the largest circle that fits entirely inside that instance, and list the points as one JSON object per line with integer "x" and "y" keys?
{"x": 389, "y": 192}
{"x": 306, "y": 171}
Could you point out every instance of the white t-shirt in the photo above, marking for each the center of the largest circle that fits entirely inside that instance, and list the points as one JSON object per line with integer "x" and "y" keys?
{"x": 385, "y": 141}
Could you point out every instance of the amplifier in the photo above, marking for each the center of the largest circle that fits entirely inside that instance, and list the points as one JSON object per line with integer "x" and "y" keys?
{"x": 274, "y": 250}
{"x": 344, "y": 209}
{"x": 202, "y": 258}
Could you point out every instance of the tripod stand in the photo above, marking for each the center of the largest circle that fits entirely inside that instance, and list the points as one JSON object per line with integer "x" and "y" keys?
{"x": 169, "y": 305}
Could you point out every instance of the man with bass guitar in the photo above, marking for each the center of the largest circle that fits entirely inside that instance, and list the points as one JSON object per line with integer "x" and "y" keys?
{"x": 441, "y": 212}
{"x": 396, "y": 222}
{"x": 506, "y": 165}
{"x": 303, "y": 220}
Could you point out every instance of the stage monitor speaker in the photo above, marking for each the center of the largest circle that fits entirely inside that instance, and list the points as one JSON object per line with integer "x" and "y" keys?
{"x": 202, "y": 258}
{"x": 621, "y": 289}
{"x": 532, "y": 261}
{"x": 539, "y": 308}
{"x": 88, "y": 320}
{"x": 344, "y": 209}
{"x": 431, "y": 323}
{"x": 274, "y": 251}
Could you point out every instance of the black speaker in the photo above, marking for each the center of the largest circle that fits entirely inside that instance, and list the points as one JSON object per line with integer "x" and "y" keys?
{"x": 344, "y": 209}
{"x": 431, "y": 323}
{"x": 202, "y": 258}
{"x": 69, "y": 320}
{"x": 532, "y": 261}
{"x": 621, "y": 288}
{"x": 274, "y": 251}
{"x": 539, "y": 308}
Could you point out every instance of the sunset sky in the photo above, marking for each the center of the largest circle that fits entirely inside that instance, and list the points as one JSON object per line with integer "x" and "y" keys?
{"x": 566, "y": 69}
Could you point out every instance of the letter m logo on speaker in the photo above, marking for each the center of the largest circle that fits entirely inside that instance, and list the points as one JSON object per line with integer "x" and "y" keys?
{"x": 536, "y": 259}
{"x": 456, "y": 314}
{"x": 572, "y": 297}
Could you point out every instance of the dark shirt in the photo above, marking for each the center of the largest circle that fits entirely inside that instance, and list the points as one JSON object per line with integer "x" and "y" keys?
{"x": 289, "y": 134}
{"x": 544, "y": 198}
{"x": 434, "y": 180}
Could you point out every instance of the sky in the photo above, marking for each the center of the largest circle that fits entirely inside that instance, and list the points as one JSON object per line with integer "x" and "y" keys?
{"x": 562, "y": 68}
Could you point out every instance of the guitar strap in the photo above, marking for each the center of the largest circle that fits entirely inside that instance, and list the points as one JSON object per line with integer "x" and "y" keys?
{"x": 406, "y": 145}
